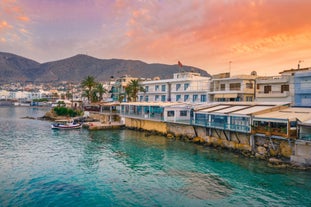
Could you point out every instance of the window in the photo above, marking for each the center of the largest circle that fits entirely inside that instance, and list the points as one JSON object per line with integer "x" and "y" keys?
{"x": 183, "y": 113}
{"x": 186, "y": 86}
{"x": 157, "y": 87}
{"x": 222, "y": 87}
{"x": 163, "y": 87}
{"x": 146, "y": 88}
{"x": 186, "y": 97}
{"x": 141, "y": 98}
{"x": 163, "y": 98}
{"x": 177, "y": 86}
{"x": 235, "y": 86}
{"x": 170, "y": 113}
{"x": 249, "y": 98}
{"x": 284, "y": 88}
{"x": 194, "y": 97}
{"x": 267, "y": 89}
{"x": 203, "y": 98}
{"x": 178, "y": 97}
{"x": 156, "y": 98}
{"x": 249, "y": 85}
{"x": 146, "y": 98}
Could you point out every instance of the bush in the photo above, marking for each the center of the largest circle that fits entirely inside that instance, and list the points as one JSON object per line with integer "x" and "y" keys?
{"x": 63, "y": 111}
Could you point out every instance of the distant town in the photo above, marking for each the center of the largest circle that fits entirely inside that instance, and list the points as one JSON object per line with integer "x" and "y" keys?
{"x": 291, "y": 86}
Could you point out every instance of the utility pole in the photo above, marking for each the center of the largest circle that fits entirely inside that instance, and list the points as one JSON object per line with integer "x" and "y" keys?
{"x": 230, "y": 68}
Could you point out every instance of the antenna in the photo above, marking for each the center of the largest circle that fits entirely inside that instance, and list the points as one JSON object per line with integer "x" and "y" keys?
{"x": 230, "y": 67}
{"x": 299, "y": 61}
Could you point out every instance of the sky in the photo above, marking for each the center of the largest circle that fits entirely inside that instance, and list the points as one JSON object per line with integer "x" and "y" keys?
{"x": 237, "y": 36}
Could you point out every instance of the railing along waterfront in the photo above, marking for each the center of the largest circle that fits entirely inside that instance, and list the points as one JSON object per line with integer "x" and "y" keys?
{"x": 223, "y": 126}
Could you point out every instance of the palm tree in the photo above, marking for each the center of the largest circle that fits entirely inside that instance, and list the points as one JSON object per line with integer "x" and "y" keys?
{"x": 132, "y": 90}
{"x": 89, "y": 83}
{"x": 100, "y": 90}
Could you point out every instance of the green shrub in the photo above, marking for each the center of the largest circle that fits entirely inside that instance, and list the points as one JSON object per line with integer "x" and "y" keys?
{"x": 63, "y": 111}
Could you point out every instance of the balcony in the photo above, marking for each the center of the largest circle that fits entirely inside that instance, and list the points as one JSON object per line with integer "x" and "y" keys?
{"x": 273, "y": 80}
{"x": 272, "y": 94}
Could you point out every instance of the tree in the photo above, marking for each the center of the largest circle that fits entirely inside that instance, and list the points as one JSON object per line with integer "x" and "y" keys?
{"x": 88, "y": 84}
{"x": 132, "y": 90}
{"x": 100, "y": 90}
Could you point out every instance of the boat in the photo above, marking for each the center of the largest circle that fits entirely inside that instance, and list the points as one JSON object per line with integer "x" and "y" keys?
{"x": 66, "y": 124}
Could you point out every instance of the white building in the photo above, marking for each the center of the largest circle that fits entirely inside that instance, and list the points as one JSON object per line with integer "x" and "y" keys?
{"x": 187, "y": 87}
{"x": 236, "y": 88}
{"x": 274, "y": 88}
{"x": 4, "y": 94}
{"x": 292, "y": 86}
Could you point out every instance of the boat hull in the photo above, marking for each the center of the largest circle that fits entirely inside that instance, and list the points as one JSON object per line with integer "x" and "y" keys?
{"x": 74, "y": 126}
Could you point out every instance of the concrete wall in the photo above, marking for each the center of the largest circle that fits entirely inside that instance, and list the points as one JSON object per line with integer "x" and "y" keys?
{"x": 251, "y": 145}
{"x": 146, "y": 125}
{"x": 302, "y": 152}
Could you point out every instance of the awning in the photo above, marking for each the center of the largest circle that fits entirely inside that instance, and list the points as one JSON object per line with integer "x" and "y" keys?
{"x": 226, "y": 95}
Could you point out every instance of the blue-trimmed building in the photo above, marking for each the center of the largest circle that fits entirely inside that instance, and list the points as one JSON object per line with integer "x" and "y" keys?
{"x": 302, "y": 84}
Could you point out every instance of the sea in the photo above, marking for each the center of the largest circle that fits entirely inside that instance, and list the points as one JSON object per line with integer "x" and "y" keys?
{"x": 44, "y": 167}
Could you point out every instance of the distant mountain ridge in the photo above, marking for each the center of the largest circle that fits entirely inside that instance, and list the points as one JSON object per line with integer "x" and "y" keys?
{"x": 15, "y": 68}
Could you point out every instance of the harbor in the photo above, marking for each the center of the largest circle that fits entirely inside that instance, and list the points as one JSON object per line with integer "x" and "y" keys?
{"x": 42, "y": 167}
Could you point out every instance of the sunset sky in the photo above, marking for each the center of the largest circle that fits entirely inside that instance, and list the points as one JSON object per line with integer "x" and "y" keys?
{"x": 267, "y": 36}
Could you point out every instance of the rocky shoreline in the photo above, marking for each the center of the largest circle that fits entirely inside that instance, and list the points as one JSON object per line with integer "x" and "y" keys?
{"x": 272, "y": 161}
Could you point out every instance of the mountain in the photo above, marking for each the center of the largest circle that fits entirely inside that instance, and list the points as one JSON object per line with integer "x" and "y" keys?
{"x": 16, "y": 68}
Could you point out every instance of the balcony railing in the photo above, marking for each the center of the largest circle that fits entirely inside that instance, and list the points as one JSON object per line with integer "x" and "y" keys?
{"x": 272, "y": 94}
{"x": 268, "y": 131}
{"x": 230, "y": 127}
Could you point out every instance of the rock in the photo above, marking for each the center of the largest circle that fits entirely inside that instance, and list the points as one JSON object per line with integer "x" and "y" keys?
{"x": 286, "y": 149}
{"x": 275, "y": 161}
{"x": 198, "y": 140}
{"x": 261, "y": 150}
{"x": 259, "y": 156}
{"x": 170, "y": 136}
{"x": 273, "y": 152}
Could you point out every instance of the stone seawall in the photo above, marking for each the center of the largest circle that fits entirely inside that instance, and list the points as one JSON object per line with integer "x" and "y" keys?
{"x": 276, "y": 151}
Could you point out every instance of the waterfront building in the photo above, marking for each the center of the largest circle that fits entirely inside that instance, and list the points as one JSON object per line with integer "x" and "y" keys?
{"x": 302, "y": 85}
{"x": 226, "y": 118}
{"x": 281, "y": 123}
{"x": 4, "y": 94}
{"x": 188, "y": 87}
{"x": 304, "y": 130}
{"x": 290, "y": 86}
{"x": 236, "y": 88}
{"x": 157, "y": 111}
{"x": 275, "y": 88}
{"x": 118, "y": 88}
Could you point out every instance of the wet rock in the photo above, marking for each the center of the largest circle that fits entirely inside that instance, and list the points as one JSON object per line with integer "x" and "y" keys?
{"x": 285, "y": 149}
{"x": 170, "y": 136}
{"x": 262, "y": 150}
{"x": 275, "y": 161}
{"x": 28, "y": 117}
{"x": 259, "y": 156}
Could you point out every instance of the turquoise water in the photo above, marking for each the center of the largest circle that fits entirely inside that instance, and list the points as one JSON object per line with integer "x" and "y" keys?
{"x": 42, "y": 167}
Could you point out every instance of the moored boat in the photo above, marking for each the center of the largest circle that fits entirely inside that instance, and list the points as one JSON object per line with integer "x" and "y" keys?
{"x": 66, "y": 124}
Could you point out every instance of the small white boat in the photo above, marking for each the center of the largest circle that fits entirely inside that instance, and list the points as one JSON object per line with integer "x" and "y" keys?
{"x": 66, "y": 124}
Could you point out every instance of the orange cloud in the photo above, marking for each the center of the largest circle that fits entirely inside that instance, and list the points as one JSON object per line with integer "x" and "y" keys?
{"x": 23, "y": 18}
{"x": 5, "y": 25}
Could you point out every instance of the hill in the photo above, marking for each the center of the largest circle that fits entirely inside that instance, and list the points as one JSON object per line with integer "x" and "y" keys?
{"x": 16, "y": 68}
